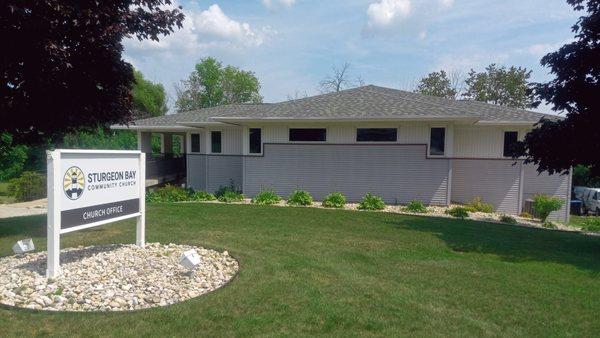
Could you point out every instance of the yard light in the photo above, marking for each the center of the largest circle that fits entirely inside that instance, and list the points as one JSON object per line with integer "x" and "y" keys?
{"x": 23, "y": 246}
{"x": 189, "y": 259}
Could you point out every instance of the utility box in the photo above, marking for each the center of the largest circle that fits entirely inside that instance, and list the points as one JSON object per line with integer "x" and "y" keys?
{"x": 23, "y": 246}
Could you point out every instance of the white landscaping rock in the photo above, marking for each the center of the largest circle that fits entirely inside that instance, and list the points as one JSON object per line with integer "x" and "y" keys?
{"x": 112, "y": 278}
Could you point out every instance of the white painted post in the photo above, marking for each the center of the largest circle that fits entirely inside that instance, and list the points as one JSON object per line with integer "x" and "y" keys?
{"x": 140, "y": 233}
{"x": 53, "y": 220}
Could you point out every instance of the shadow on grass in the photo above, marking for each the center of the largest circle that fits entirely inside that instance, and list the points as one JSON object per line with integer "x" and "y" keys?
{"x": 29, "y": 226}
{"x": 511, "y": 243}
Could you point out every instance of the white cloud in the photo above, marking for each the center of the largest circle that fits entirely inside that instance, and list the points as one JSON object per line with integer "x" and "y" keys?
{"x": 216, "y": 26}
{"x": 388, "y": 12}
{"x": 447, "y": 3}
{"x": 275, "y": 4}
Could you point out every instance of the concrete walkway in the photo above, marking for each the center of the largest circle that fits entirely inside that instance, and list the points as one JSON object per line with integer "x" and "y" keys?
{"x": 36, "y": 207}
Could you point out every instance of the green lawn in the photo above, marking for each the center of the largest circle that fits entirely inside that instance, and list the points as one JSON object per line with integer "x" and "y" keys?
{"x": 4, "y": 198}
{"x": 342, "y": 273}
{"x": 587, "y": 223}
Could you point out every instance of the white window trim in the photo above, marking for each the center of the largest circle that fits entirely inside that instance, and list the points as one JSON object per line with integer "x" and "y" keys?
{"x": 311, "y": 142}
{"x": 199, "y": 143}
{"x": 504, "y": 131}
{"x": 445, "y": 141}
{"x": 210, "y": 142}
{"x": 262, "y": 143}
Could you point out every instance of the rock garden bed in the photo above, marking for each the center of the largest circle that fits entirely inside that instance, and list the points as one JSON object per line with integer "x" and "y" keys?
{"x": 112, "y": 278}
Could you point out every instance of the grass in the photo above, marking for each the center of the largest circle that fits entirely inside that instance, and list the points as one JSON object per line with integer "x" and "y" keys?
{"x": 588, "y": 223}
{"x": 311, "y": 272}
{"x": 4, "y": 198}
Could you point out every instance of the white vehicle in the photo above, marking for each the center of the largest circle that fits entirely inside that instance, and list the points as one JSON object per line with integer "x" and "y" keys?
{"x": 578, "y": 192}
{"x": 591, "y": 201}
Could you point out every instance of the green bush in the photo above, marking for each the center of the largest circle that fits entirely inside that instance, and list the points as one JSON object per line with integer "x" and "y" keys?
{"x": 591, "y": 224}
{"x": 549, "y": 225}
{"x": 300, "y": 198}
{"x": 202, "y": 196}
{"x": 172, "y": 193}
{"x": 477, "y": 205}
{"x": 27, "y": 187}
{"x": 230, "y": 197}
{"x": 416, "y": 207}
{"x": 508, "y": 219}
{"x": 266, "y": 197}
{"x": 525, "y": 214}
{"x": 458, "y": 212}
{"x": 543, "y": 205}
{"x": 223, "y": 189}
{"x": 371, "y": 202}
{"x": 334, "y": 200}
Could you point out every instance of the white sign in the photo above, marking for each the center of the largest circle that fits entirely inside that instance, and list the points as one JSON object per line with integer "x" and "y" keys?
{"x": 88, "y": 188}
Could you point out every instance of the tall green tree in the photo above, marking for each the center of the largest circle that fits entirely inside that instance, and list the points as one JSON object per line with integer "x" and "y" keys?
{"x": 557, "y": 145}
{"x": 149, "y": 99}
{"x": 211, "y": 84}
{"x": 500, "y": 85}
{"x": 437, "y": 84}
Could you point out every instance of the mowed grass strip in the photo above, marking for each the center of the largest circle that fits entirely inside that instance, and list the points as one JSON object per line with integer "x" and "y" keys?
{"x": 343, "y": 273}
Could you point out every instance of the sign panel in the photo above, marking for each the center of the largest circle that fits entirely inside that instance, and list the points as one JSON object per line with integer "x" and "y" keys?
{"x": 88, "y": 188}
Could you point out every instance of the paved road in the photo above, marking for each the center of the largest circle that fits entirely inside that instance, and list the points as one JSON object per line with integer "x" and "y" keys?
{"x": 36, "y": 207}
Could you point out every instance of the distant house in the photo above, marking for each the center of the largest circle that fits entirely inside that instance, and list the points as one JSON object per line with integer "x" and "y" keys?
{"x": 399, "y": 145}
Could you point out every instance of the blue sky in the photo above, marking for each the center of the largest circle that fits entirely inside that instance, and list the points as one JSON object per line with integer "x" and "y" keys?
{"x": 292, "y": 45}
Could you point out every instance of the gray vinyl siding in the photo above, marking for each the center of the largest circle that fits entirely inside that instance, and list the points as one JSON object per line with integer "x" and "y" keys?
{"x": 553, "y": 185}
{"x": 495, "y": 181}
{"x": 208, "y": 172}
{"x": 397, "y": 173}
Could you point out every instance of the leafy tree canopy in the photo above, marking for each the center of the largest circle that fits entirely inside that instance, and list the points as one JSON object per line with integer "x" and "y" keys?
{"x": 437, "y": 84}
{"x": 149, "y": 99}
{"x": 212, "y": 85}
{"x": 62, "y": 68}
{"x": 500, "y": 85}
{"x": 558, "y": 145}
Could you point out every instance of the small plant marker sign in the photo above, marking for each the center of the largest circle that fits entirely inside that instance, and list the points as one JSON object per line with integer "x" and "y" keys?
{"x": 88, "y": 188}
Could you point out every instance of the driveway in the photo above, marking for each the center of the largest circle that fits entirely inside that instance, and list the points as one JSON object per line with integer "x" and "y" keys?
{"x": 36, "y": 207}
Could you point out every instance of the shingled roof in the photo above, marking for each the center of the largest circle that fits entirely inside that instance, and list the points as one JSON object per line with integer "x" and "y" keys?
{"x": 362, "y": 103}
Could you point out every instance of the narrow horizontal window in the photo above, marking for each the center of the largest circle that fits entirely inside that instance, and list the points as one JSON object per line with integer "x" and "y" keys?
{"x": 255, "y": 141}
{"x": 437, "y": 141}
{"x": 308, "y": 134}
{"x": 376, "y": 135}
{"x": 510, "y": 142}
{"x": 195, "y": 143}
{"x": 215, "y": 140}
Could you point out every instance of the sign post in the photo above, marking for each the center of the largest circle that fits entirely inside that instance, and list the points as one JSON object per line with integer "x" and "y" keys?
{"x": 88, "y": 188}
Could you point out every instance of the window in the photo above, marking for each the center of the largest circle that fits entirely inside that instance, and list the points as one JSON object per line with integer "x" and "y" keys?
{"x": 308, "y": 134}
{"x": 437, "y": 141}
{"x": 255, "y": 141}
{"x": 510, "y": 141}
{"x": 376, "y": 134}
{"x": 215, "y": 141}
{"x": 195, "y": 143}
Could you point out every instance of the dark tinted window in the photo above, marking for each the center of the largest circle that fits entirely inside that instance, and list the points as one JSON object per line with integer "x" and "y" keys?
{"x": 195, "y": 143}
{"x": 510, "y": 141}
{"x": 437, "y": 141}
{"x": 215, "y": 140}
{"x": 376, "y": 134}
{"x": 255, "y": 141}
{"x": 308, "y": 134}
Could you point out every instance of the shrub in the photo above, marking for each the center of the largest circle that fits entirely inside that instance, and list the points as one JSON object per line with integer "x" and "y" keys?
{"x": 202, "y": 196}
{"x": 226, "y": 188}
{"x": 543, "y": 205}
{"x": 591, "y": 224}
{"x": 458, "y": 212}
{"x": 334, "y": 200}
{"x": 526, "y": 215}
{"x": 549, "y": 225}
{"x": 508, "y": 219}
{"x": 477, "y": 205}
{"x": 300, "y": 197}
{"x": 266, "y": 197}
{"x": 171, "y": 193}
{"x": 230, "y": 197}
{"x": 27, "y": 187}
{"x": 416, "y": 207}
{"x": 371, "y": 202}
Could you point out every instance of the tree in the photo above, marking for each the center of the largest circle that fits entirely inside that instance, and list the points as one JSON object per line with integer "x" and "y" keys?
{"x": 339, "y": 79}
{"x": 437, "y": 84}
{"x": 64, "y": 70}
{"x": 500, "y": 86}
{"x": 556, "y": 145}
{"x": 149, "y": 99}
{"x": 211, "y": 84}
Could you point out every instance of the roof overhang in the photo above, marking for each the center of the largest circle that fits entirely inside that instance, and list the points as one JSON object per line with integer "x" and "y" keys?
{"x": 234, "y": 120}
{"x": 134, "y": 127}
{"x": 506, "y": 123}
